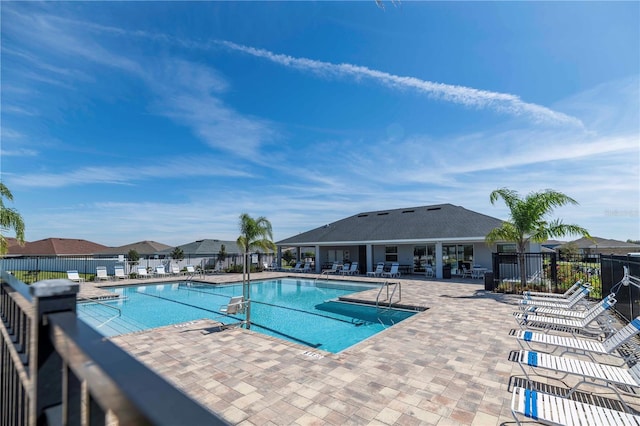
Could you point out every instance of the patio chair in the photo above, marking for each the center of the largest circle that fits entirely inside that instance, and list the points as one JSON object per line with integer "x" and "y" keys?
{"x": 594, "y": 373}
{"x": 429, "y": 272}
{"x": 142, "y": 272}
{"x": 565, "y": 312}
{"x": 567, "y": 320}
{"x": 235, "y": 305}
{"x": 119, "y": 273}
{"x": 101, "y": 273}
{"x": 74, "y": 276}
{"x": 160, "y": 272}
{"x": 393, "y": 272}
{"x": 307, "y": 267}
{"x": 378, "y": 272}
{"x": 540, "y": 294}
{"x": 466, "y": 273}
{"x": 584, "y": 346}
{"x": 551, "y": 409}
{"x": 297, "y": 267}
{"x": 353, "y": 269}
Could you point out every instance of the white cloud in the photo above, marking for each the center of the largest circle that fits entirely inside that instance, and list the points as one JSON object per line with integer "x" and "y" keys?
{"x": 501, "y": 102}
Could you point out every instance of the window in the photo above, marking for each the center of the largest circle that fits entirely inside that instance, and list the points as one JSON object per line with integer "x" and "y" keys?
{"x": 391, "y": 253}
{"x": 506, "y": 248}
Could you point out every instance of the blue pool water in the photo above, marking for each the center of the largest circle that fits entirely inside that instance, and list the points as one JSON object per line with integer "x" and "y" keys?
{"x": 302, "y": 311}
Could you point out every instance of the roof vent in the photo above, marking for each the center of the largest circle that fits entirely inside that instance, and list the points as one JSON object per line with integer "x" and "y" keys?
{"x": 408, "y": 211}
{"x": 383, "y": 213}
{"x": 363, "y": 215}
{"x": 433, "y": 208}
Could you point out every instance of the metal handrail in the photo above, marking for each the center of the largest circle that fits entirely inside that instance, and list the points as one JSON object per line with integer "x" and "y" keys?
{"x": 395, "y": 287}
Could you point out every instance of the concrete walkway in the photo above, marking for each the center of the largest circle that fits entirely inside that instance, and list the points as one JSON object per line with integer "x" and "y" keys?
{"x": 448, "y": 365}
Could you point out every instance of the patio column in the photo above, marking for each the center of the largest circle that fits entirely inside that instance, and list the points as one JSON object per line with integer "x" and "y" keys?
{"x": 318, "y": 264}
{"x": 369, "y": 258}
{"x": 439, "y": 259}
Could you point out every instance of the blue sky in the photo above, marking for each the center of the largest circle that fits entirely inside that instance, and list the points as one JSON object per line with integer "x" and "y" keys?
{"x": 129, "y": 121}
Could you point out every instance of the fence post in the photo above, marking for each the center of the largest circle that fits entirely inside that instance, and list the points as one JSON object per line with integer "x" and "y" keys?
{"x": 49, "y": 296}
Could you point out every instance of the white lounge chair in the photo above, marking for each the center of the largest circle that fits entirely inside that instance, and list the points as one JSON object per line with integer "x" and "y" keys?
{"x": 554, "y": 410}
{"x": 565, "y": 319}
{"x": 335, "y": 269}
{"x": 175, "y": 270}
{"x": 119, "y": 273}
{"x": 353, "y": 269}
{"x": 550, "y": 302}
{"x": 142, "y": 272}
{"x": 393, "y": 272}
{"x": 378, "y": 272}
{"x": 235, "y": 305}
{"x": 297, "y": 267}
{"x": 583, "y": 346}
{"x": 307, "y": 267}
{"x": 101, "y": 273}
{"x": 604, "y": 375}
{"x": 74, "y": 276}
{"x": 160, "y": 272}
{"x": 539, "y": 294}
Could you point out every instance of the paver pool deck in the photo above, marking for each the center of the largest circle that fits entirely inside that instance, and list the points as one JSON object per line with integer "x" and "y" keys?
{"x": 448, "y": 365}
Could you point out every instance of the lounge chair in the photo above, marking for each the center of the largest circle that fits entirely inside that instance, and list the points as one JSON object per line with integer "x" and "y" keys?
{"x": 583, "y": 346}
{"x": 608, "y": 376}
{"x": 335, "y": 269}
{"x": 353, "y": 269}
{"x": 160, "y": 272}
{"x": 119, "y": 273}
{"x": 378, "y": 272}
{"x": 74, "y": 276}
{"x": 175, "y": 270}
{"x": 307, "y": 267}
{"x": 142, "y": 272}
{"x": 235, "y": 305}
{"x": 540, "y": 294}
{"x": 297, "y": 267}
{"x": 551, "y": 409}
{"x": 552, "y": 302}
{"x": 567, "y": 320}
{"x": 393, "y": 272}
{"x": 101, "y": 273}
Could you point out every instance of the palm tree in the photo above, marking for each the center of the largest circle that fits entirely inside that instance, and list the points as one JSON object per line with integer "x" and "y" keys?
{"x": 254, "y": 233}
{"x": 9, "y": 219}
{"x": 528, "y": 221}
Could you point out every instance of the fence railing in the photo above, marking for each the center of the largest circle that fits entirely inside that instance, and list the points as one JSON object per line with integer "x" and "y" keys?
{"x": 545, "y": 272}
{"x": 628, "y": 305}
{"x": 55, "y": 369}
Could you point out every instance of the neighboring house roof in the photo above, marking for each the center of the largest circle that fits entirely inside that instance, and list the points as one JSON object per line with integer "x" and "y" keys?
{"x": 143, "y": 248}
{"x": 57, "y": 247}
{"x": 437, "y": 222}
{"x": 552, "y": 243}
{"x": 602, "y": 243}
{"x": 207, "y": 248}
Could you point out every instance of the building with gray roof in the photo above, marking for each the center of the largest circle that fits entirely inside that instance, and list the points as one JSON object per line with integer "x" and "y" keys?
{"x": 439, "y": 236}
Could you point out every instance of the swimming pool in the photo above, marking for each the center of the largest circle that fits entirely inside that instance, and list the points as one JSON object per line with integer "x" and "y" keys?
{"x": 298, "y": 310}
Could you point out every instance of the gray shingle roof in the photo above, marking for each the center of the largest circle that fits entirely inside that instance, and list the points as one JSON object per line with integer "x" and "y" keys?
{"x": 207, "y": 247}
{"x": 442, "y": 221}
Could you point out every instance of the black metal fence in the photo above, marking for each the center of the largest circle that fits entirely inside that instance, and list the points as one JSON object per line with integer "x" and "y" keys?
{"x": 628, "y": 305}
{"x": 545, "y": 272}
{"x": 55, "y": 369}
